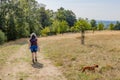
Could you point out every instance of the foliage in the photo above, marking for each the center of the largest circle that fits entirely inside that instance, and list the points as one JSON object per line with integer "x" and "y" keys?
{"x": 117, "y": 26}
{"x": 22, "y": 17}
{"x": 2, "y": 37}
{"x": 66, "y": 15}
{"x": 111, "y": 26}
{"x": 44, "y": 17}
{"x": 93, "y": 24}
{"x": 55, "y": 27}
{"x": 60, "y": 14}
{"x": 45, "y": 31}
{"x": 19, "y": 18}
{"x": 63, "y": 27}
{"x": 100, "y": 26}
{"x": 82, "y": 24}
{"x": 59, "y": 27}
{"x": 70, "y": 18}
{"x": 74, "y": 29}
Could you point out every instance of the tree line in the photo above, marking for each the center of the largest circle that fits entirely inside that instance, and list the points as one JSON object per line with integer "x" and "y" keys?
{"x": 20, "y": 18}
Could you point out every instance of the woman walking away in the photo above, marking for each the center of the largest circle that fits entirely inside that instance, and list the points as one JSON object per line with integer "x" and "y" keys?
{"x": 33, "y": 45}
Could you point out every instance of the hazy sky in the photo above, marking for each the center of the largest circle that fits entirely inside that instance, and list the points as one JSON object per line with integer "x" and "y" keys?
{"x": 91, "y": 9}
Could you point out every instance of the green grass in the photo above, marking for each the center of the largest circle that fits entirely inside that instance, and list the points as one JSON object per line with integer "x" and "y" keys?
{"x": 70, "y": 56}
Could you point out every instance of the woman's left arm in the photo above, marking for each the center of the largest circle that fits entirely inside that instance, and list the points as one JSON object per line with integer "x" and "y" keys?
{"x": 38, "y": 45}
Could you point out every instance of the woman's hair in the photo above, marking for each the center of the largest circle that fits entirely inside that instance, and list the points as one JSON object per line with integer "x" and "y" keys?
{"x": 33, "y": 35}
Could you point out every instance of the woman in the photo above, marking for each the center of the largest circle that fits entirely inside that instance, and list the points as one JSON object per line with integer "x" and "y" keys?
{"x": 33, "y": 45}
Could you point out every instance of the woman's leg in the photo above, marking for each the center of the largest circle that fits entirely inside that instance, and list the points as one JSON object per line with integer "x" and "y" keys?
{"x": 36, "y": 56}
{"x": 33, "y": 57}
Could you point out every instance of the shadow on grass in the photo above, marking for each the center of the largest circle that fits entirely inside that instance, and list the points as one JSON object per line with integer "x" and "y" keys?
{"x": 21, "y": 41}
{"x": 37, "y": 65}
{"x": 94, "y": 45}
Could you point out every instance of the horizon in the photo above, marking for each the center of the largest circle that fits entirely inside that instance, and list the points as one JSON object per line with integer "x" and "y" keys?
{"x": 91, "y": 9}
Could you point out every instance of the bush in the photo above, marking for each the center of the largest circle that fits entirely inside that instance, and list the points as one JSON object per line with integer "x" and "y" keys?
{"x": 59, "y": 27}
{"x": 2, "y": 37}
{"x": 45, "y": 31}
{"x": 74, "y": 29}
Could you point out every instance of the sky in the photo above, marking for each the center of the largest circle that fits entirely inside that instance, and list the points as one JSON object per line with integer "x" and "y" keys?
{"x": 91, "y": 9}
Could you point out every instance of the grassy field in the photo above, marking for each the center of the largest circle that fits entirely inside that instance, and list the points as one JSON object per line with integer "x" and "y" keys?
{"x": 101, "y": 48}
{"x": 9, "y": 49}
{"x": 67, "y": 54}
{"x": 10, "y": 60}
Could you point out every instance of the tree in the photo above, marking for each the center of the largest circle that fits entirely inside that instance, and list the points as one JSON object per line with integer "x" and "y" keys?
{"x": 44, "y": 17}
{"x": 55, "y": 27}
{"x": 82, "y": 25}
{"x": 117, "y": 26}
{"x": 11, "y": 29}
{"x": 3, "y": 12}
{"x": 59, "y": 27}
{"x": 111, "y": 26}
{"x": 70, "y": 18}
{"x": 51, "y": 16}
{"x": 2, "y": 37}
{"x": 19, "y": 18}
{"x": 93, "y": 24}
{"x": 63, "y": 27}
{"x": 30, "y": 16}
{"x": 60, "y": 14}
{"x": 45, "y": 31}
{"x": 100, "y": 26}
{"x": 66, "y": 15}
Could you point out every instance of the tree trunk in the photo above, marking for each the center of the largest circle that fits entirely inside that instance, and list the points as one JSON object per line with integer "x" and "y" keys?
{"x": 82, "y": 37}
{"x": 93, "y": 30}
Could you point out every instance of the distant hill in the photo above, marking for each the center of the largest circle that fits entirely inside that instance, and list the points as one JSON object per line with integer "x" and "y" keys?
{"x": 105, "y": 22}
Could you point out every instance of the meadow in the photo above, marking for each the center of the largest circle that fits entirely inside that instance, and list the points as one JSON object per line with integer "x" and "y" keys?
{"x": 9, "y": 49}
{"x": 65, "y": 52}
{"x": 101, "y": 48}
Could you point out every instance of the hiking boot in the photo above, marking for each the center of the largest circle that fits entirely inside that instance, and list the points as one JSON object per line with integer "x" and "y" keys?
{"x": 36, "y": 59}
{"x": 33, "y": 61}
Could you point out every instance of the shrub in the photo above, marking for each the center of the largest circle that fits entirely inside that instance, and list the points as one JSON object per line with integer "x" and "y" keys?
{"x": 59, "y": 27}
{"x": 45, "y": 31}
{"x": 74, "y": 29}
{"x": 2, "y": 37}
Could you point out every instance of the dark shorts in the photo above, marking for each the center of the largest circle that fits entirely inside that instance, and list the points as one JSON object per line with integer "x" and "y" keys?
{"x": 34, "y": 48}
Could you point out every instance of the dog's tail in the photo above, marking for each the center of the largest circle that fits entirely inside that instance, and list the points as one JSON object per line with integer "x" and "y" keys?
{"x": 83, "y": 70}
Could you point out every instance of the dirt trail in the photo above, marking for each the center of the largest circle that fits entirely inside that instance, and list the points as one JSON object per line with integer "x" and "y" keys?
{"x": 20, "y": 67}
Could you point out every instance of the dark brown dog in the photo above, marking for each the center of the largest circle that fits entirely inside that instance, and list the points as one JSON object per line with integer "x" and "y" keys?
{"x": 90, "y": 68}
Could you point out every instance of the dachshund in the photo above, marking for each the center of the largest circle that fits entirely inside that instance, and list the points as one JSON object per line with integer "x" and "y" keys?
{"x": 90, "y": 68}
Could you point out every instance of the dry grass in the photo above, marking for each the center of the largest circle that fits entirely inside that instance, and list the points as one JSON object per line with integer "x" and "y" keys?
{"x": 9, "y": 49}
{"x": 102, "y": 48}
